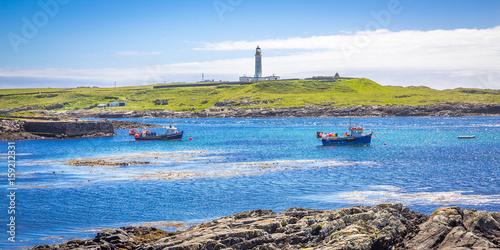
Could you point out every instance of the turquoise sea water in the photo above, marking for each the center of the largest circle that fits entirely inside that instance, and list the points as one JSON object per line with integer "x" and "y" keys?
{"x": 234, "y": 165}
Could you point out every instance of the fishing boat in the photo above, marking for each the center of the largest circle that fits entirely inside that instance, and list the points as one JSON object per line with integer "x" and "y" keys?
{"x": 357, "y": 136}
{"x": 171, "y": 133}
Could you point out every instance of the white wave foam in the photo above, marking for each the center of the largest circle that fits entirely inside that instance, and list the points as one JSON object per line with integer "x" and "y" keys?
{"x": 392, "y": 194}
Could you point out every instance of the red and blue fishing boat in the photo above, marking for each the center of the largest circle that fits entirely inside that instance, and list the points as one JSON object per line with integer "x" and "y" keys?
{"x": 357, "y": 136}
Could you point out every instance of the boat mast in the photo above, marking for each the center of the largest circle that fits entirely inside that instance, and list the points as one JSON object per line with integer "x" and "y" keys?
{"x": 350, "y": 125}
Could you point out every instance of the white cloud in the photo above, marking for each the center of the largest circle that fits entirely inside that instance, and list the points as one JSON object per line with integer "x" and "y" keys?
{"x": 459, "y": 49}
{"x": 438, "y": 58}
{"x": 453, "y": 58}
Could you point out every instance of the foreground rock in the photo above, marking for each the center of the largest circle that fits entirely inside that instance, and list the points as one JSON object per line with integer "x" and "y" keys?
{"x": 116, "y": 238}
{"x": 452, "y": 227}
{"x": 386, "y": 226}
{"x": 440, "y": 110}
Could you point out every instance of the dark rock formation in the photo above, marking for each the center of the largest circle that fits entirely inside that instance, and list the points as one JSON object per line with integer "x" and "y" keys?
{"x": 13, "y": 129}
{"x": 13, "y": 110}
{"x": 160, "y": 102}
{"x": 131, "y": 125}
{"x": 116, "y": 238}
{"x": 92, "y": 163}
{"x": 386, "y": 226}
{"x": 11, "y": 125}
{"x": 452, "y": 227}
{"x": 55, "y": 106}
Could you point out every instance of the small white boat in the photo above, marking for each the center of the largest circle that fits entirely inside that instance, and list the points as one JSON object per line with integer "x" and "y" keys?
{"x": 466, "y": 136}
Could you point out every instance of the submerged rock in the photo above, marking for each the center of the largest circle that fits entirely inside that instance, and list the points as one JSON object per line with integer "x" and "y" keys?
{"x": 386, "y": 226}
{"x": 92, "y": 163}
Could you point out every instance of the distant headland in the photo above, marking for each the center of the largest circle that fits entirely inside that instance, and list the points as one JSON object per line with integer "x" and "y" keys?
{"x": 313, "y": 97}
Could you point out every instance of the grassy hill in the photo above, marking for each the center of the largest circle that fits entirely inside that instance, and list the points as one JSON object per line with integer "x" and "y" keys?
{"x": 293, "y": 93}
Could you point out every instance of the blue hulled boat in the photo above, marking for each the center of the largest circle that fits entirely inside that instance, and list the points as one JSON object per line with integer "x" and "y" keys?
{"x": 357, "y": 136}
{"x": 171, "y": 133}
{"x": 164, "y": 137}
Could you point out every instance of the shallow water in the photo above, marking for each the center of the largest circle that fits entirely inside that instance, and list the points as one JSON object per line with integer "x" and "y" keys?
{"x": 233, "y": 165}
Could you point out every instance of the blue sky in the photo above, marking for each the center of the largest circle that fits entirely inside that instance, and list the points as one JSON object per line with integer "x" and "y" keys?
{"x": 394, "y": 42}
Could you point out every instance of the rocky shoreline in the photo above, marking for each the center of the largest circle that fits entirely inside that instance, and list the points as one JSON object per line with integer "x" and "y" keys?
{"x": 15, "y": 129}
{"x": 385, "y": 226}
{"x": 437, "y": 110}
{"x": 132, "y": 125}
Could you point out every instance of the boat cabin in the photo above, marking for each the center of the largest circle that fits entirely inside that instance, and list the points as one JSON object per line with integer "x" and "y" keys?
{"x": 357, "y": 131}
{"x": 171, "y": 129}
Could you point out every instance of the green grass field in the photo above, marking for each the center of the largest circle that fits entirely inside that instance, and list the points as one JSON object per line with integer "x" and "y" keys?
{"x": 293, "y": 93}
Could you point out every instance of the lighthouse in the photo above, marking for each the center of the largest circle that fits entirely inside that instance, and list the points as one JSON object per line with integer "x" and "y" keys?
{"x": 258, "y": 70}
{"x": 258, "y": 63}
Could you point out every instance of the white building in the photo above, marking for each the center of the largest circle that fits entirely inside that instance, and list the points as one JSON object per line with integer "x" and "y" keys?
{"x": 117, "y": 103}
{"x": 272, "y": 78}
{"x": 258, "y": 70}
{"x": 245, "y": 78}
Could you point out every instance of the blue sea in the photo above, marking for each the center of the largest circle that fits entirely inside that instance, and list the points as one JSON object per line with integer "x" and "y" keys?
{"x": 235, "y": 165}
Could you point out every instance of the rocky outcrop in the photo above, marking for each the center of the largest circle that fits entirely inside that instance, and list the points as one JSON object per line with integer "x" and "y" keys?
{"x": 131, "y": 125}
{"x": 14, "y": 129}
{"x": 11, "y": 125}
{"x": 228, "y": 109}
{"x": 386, "y": 226}
{"x": 452, "y": 227}
{"x": 92, "y": 163}
{"x": 116, "y": 238}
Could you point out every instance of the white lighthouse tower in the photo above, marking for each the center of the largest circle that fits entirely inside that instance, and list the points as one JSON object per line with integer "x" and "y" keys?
{"x": 258, "y": 63}
{"x": 258, "y": 70}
